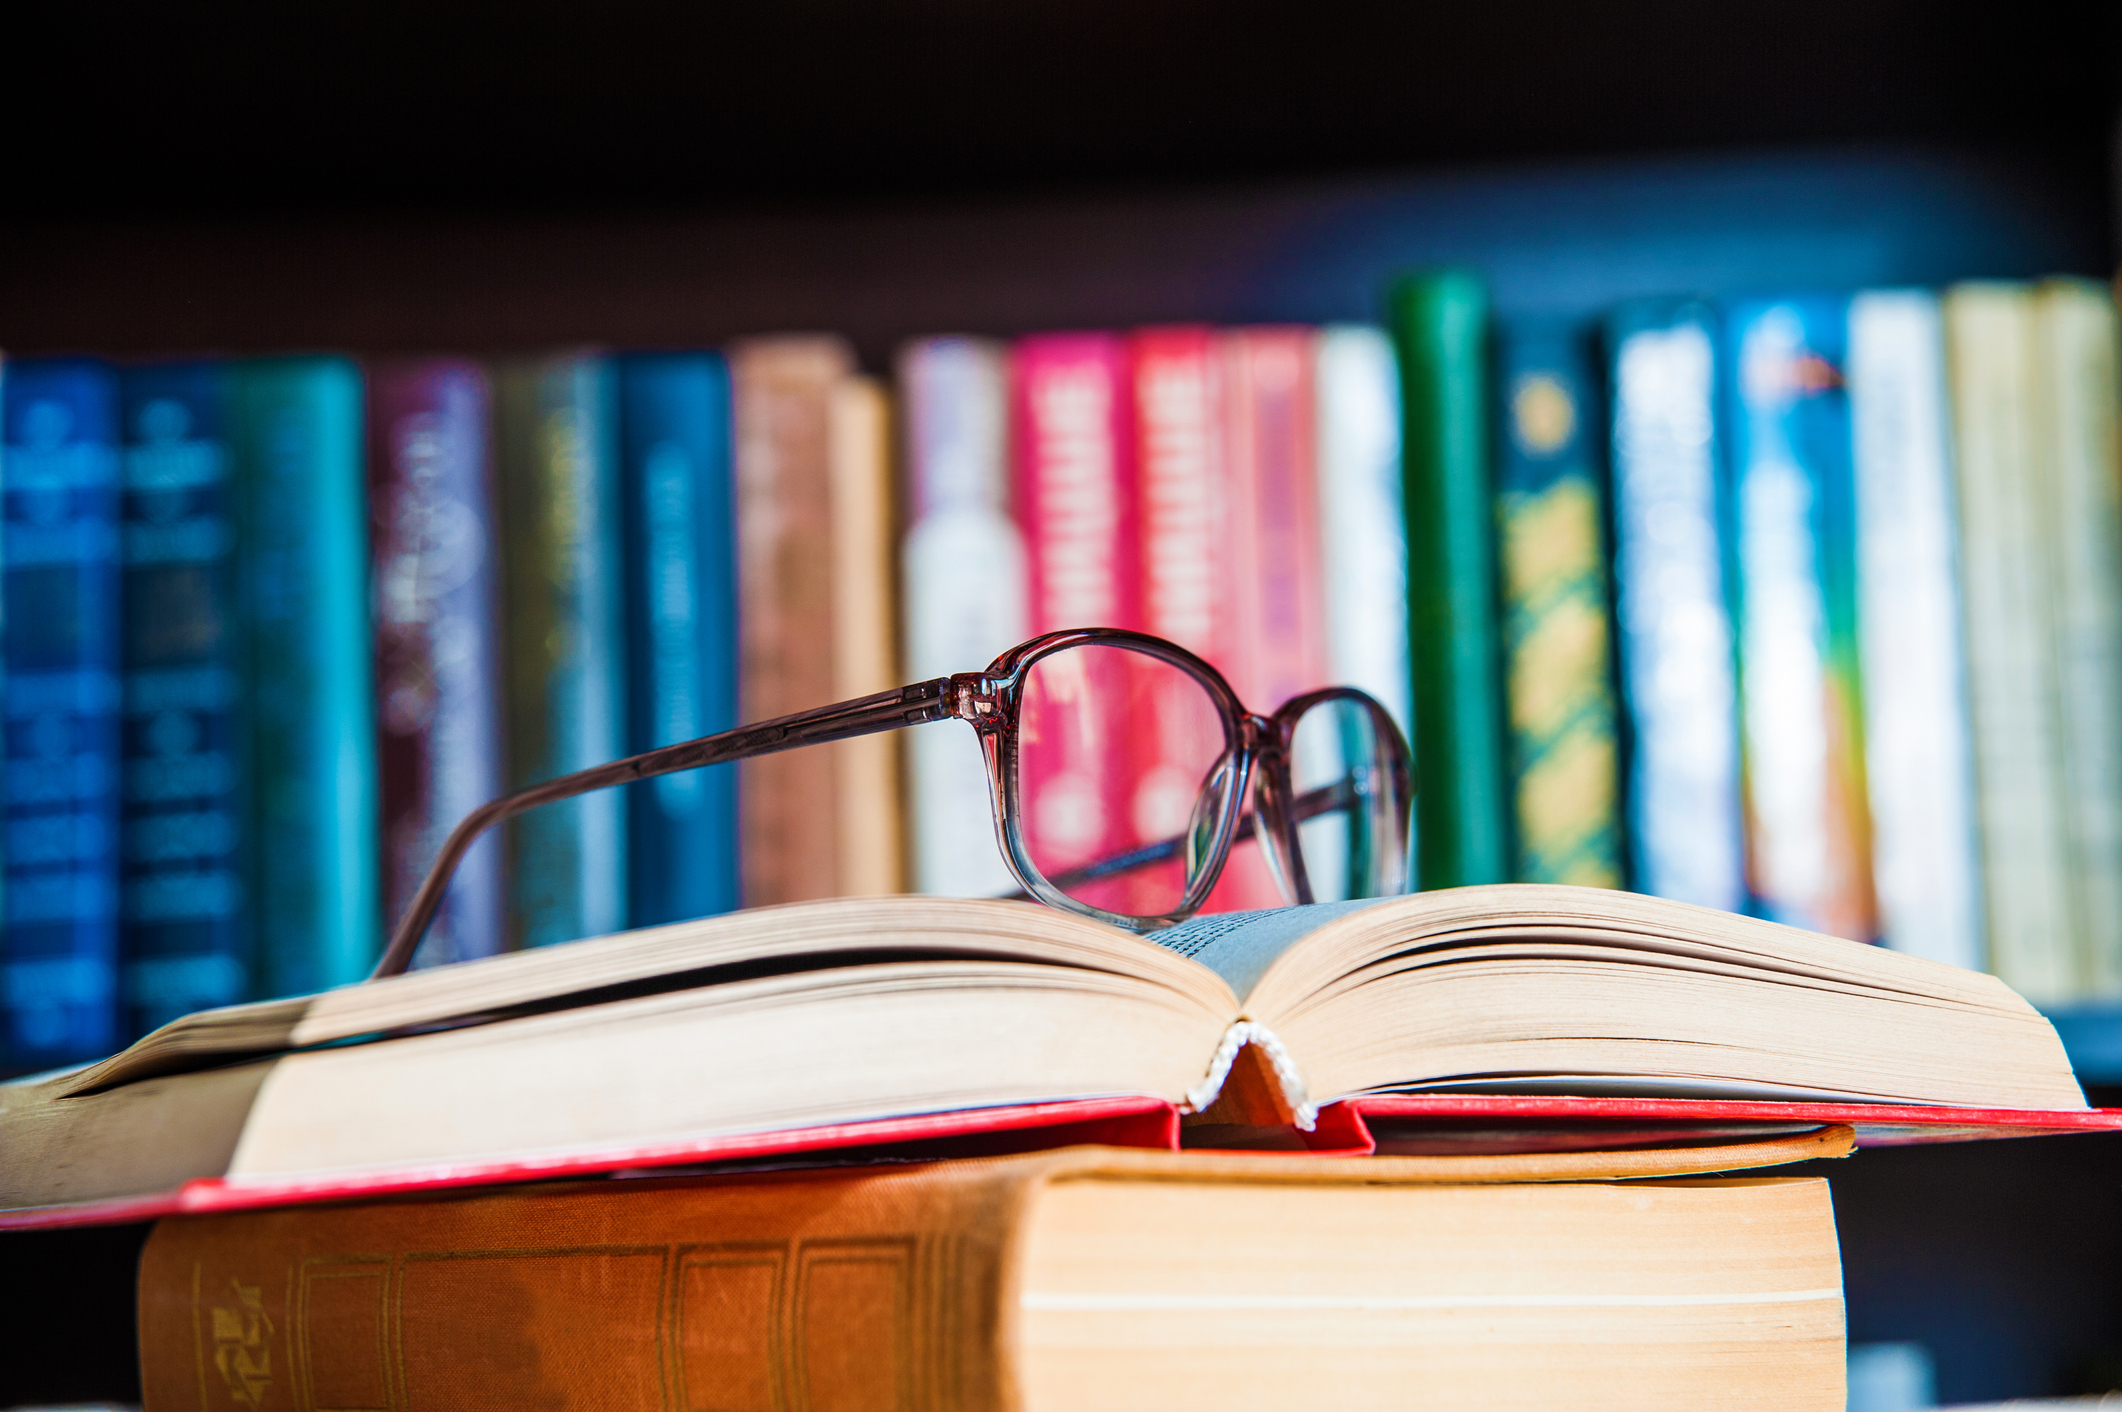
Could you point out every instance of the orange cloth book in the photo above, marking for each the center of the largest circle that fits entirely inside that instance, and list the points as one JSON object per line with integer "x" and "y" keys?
{"x": 1083, "y": 1278}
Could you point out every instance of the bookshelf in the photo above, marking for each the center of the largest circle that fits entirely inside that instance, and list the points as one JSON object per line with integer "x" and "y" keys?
{"x": 483, "y": 178}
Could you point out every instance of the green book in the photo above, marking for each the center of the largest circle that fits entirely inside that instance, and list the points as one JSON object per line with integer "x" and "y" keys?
{"x": 1440, "y": 324}
{"x": 303, "y": 562}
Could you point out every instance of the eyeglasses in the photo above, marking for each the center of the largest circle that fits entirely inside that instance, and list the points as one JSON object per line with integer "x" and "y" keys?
{"x": 1122, "y": 768}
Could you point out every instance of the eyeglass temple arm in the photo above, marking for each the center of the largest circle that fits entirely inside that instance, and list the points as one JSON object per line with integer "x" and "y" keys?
{"x": 914, "y": 705}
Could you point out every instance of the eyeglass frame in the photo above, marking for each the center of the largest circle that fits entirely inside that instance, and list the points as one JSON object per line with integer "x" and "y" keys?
{"x": 991, "y": 701}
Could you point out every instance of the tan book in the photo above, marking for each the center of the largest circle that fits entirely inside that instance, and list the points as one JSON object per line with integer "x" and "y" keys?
{"x": 783, "y": 391}
{"x": 1087, "y": 1278}
{"x": 641, "y": 1047}
{"x": 865, "y": 639}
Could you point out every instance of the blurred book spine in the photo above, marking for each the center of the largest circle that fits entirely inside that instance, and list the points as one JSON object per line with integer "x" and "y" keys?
{"x": 185, "y": 942}
{"x": 2075, "y": 389}
{"x": 557, "y": 483}
{"x": 1440, "y": 322}
{"x": 1558, "y": 666}
{"x": 784, "y": 390}
{"x": 303, "y": 551}
{"x": 681, "y": 615}
{"x": 1926, "y": 862}
{"x": 60, "y": 474}
{"x": 962, "y": 596}
{"x": 1072, "y": 453}
{"x": 1679, "y": 699}
{"x": 2008, "y": 591}
{"x": 872, "y": 845}
{"x": 436, "y": 586}
{"x": 1794, "y": 509}
{"x": 1363, "y": 514}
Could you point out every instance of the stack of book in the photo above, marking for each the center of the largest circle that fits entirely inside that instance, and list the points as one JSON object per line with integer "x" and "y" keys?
{"x": 911, "y": 1152}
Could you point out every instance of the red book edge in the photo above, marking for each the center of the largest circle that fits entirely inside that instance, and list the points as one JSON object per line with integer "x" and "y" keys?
{"x": 1343, "y": 1130}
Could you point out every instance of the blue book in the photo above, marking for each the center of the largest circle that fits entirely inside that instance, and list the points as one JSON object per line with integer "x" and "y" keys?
{"x": 184, "y": 940}
{"x": 59, "y": 481}
{"x": 564, "y": 631}
{"x": 304, "y": 567}
{"x": 681, "y": 629}
{"x": 1679, "y": 696}
{"x": 1794, "y": 510}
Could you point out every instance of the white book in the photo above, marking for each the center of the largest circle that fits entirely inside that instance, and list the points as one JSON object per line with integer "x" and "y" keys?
{"x": 1926, "y": 863}
{"x": 2075, "y": 388}
{"x": 2007, "y": 588}
{"x": 1362, "y": 521}
{"x": 963, "y": 597}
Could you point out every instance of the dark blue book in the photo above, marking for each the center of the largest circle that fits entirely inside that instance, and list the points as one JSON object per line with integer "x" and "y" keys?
{"x": 59, "y": 481}
{"x": 681, "y": 624}
{"x": 184, "y": 942}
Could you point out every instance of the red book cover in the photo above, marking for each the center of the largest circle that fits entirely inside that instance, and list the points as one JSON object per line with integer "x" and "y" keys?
{"x": 1073, "y": 465}
{"x": 433, "y": 574}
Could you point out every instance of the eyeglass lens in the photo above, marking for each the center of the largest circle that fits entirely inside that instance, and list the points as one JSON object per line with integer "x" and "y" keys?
{"x": 1348, "y": 826}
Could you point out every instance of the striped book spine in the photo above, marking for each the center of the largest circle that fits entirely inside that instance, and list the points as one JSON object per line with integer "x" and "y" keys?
{"x": 558, "y": 485}
{"x": 1802, "y": 730}
{"x": 303, "y": 537}
{"x": 1926, "y": 859}
{"x": 60, "y": 482}
{"x": 962, "y": 596}
{"x": 1678, "y": 694}
{"x": 185, "y": 939}
{"x": 1558, "y": 665}
{"x": 437, "y": 581}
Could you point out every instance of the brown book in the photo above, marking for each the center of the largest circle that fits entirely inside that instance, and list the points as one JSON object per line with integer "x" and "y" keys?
{"x": 784, "y": 389}
{"x": 1077, "y": 1279}
{"x": 865, "y": 641}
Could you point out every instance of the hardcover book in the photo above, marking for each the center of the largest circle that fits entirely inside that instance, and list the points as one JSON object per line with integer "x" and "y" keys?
{"x": 866, "y": 800}
{"x": 435, "y": 532}
{"x": 1462, "y": 829}
{"x": 185, "y": 940}
{"x": 1085, "y": 1278}
{"x": 1808, "y": 826}
{"x": 681, "y": 618}
{"x": 962, "y": 589}
{"x": 1678, "y": 694}
{"x": 1278, "y": 1029}
{"x": 1926, "y": 855}
{"x": 784, "y": 394}
{"x": 1558, "y": 665}
{"x": 304, "y": 554}
{"x": 1363, "y": 515}
{"x": 565, "y": 644}
{"x": 63, "y": 656}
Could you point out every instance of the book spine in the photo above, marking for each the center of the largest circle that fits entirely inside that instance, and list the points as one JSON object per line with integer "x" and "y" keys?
{"x": 681, "y": 620}
{"x": 184, "y": 939}
{"x": 60, "y": 478}
{"x": 1802, "y": 734}
{"x": 872, "y": 847}
{"x": 1926, "y": 862}
{"x": 1558, "y": 666}
{"x": 2076, "y": 385}
{"x": 1440, "y": 324}
{"x": 1072, "y": 448}
{"x": 784, "y": 392}
{"x": 558, "y": 486}
{"x": 1679, "y": 697}
{"x": 2013, "y": 692}
{"x": 303, "y": 552}
{"x": 1363, "y": 515}
{"x": 1272, "y": 582}
{"x": 436, "y": 580}
{"x": 963, "y": 579}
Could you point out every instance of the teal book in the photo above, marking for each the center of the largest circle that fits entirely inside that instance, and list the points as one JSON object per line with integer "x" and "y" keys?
{"x": 564, "y": 640}
{"x": 1558, "y": 661}
{"x": 184, "y": 940}
{"x": 1440, "y": 325}
{"x": 303, "y": 565}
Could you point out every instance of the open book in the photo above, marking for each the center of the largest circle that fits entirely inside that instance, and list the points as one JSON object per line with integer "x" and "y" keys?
{"x": 664, "y": 1043}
